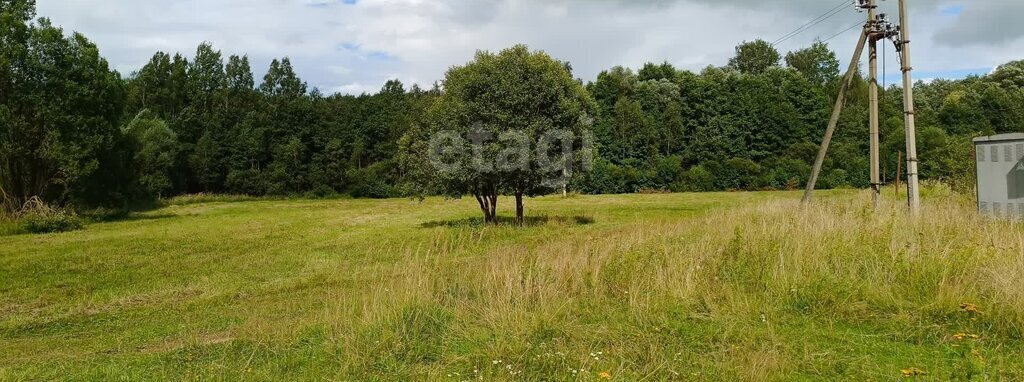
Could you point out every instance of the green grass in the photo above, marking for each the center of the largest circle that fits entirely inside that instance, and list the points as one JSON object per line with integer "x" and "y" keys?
{"x": 10, "y": 227}
{"x": 721, "y": 286}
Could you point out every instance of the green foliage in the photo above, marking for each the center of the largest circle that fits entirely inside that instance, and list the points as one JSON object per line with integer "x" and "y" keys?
{"x": 739, "y": 174}
{"x": 373, "y": 182}
{"x": 818, "y": 63}
{"x": 156, "y": 153}
{"x": 58, "y": 221}
{"x": 1010, "y": 74}
{"x": 697, "y": 179}
{"x": 755, "y": 57}
{"x": 59, "y": 107}
{"x": 37, "y": 217}
{"x": 501, "y": 106}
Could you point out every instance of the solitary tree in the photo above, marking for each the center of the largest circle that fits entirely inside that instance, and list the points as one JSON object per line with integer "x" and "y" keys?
{"x": 507, "y": 123}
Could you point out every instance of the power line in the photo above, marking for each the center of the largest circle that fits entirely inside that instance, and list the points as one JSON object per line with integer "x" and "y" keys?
{"x": 817, "y": 20}
{"x": 829, "y": 13}
{"x": 858, "y": 24}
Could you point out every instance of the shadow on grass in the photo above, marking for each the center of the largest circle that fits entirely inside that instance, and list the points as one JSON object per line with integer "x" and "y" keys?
{"x": 140, "y": 217}
{"x": 127, "y": 217}
{"x": 507, "y": 221}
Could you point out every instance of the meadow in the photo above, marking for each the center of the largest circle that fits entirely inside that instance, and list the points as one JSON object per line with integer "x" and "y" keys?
{"x": 718, "y": 286}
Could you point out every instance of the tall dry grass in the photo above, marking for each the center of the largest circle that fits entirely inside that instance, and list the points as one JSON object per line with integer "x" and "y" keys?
{"x": 837, "y": 262}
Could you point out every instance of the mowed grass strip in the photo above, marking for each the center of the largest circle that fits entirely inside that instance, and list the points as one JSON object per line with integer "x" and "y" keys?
{"x": 745, "y": 286}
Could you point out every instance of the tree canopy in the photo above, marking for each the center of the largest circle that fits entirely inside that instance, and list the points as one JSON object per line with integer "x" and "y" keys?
{"x": 500, "y": 128}
{"x": 59, "y": 108}
{"x": 755, "y": 57}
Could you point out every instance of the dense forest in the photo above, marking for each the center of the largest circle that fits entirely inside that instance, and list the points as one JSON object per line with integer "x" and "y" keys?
{"x": 75, "y": 132}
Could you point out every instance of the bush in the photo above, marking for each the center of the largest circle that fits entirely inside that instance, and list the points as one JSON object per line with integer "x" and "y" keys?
{"x": 373, "y": 181}
{"x": 373, "y": 189}
{"x": 247, "y": 182}
{"x": 697, "y": 179}
{"x": 785, "y": 173}
{"x": 668, "y": 171}
{"x": 50, "y": 220}
{"x": 321, "y": 192}
{"x": 837, "y": 178}
{"x": 609, "y": 178}
{"x": 740, "y": 174}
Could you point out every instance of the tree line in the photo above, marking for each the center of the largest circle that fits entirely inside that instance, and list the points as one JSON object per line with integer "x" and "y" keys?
{"x": 73, "y": 131}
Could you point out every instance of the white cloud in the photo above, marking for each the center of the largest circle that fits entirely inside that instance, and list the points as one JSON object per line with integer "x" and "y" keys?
{"x": 356, "y": 47}
{"x": 354, "y": 88}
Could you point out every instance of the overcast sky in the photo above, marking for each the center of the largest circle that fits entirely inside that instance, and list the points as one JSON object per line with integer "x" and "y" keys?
{"x": 354, "y": 46}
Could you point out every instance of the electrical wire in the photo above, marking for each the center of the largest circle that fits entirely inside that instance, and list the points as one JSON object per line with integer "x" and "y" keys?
{"x": 858, "y": 24}
{"x": 817, "y": 20}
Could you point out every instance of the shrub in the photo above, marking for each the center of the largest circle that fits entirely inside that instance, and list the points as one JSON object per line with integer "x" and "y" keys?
{"x": 321, "y": 192}
{"x": 247, "y": 182}
{"x": 37, "y": 217}
{"x": 58, "y": 221}
{"x": 373, "y": 189}
{"x": 837, "y": 178}
{"x": 785, "y": 173}
{"x": 610, "y": 178}
{"x": 740, "y": 174}
{"x": 373, "y": 181}
{"x": 697, "y": 179}
{"x": 669, "y": 170}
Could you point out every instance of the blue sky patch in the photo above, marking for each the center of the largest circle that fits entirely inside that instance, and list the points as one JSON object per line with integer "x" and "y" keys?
{"x": 953, "y": 10}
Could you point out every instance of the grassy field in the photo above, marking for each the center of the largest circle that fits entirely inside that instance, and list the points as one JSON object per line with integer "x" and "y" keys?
{"x": 727, "y": 286}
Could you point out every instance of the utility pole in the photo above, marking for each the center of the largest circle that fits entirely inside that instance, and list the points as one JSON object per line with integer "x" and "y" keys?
{"x": 913, "y": 187}
{"x": 837, "y": 110}
{"x": 876, "y": 181}
{"x": 877, "y": 28}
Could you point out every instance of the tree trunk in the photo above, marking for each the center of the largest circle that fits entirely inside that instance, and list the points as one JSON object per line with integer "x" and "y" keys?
{"x": 483, "y": 202}
{"x": 494, "y": 209}
{"x": 488, "y": 204}
{"x": 520, "y": 218}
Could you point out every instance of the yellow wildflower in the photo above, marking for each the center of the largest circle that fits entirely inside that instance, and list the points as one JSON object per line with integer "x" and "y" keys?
{"x": 970, "y": 308}
{"x": 913, "y": 372}
{"x": 605, "y": 375}
{"x": 965, "y": 336}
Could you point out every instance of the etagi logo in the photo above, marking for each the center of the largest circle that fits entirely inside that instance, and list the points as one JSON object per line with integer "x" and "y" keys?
{"x": 551, "y": 158}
